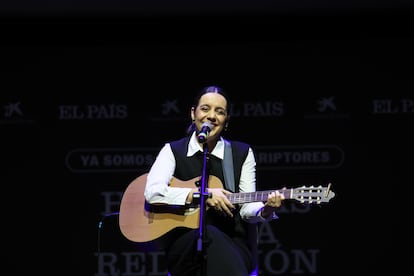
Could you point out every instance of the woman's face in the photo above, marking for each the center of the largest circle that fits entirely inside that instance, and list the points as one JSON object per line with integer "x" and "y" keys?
{"x": 212, "y": 108}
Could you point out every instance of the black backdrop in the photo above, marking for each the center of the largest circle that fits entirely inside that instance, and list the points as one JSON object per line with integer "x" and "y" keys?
{"x": 88, "y": 101}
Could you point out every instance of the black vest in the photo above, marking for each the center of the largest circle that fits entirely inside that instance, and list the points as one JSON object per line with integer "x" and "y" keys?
{"x": 191, "y": 167}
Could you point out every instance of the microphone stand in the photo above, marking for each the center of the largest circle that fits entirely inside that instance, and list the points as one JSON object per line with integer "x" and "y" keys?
{"x": 202, "y": 239}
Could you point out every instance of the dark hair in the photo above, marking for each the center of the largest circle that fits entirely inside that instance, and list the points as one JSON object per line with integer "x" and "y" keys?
{"x": 205, "y": 90}
{"x": 211, "y": 89}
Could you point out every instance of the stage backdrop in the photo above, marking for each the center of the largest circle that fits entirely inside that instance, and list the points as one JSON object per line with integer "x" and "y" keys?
{"x": 80, "y": 121}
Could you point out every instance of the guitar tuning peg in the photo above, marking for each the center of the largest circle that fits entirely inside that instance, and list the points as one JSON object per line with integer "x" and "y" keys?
{"x": 328, "y": 189}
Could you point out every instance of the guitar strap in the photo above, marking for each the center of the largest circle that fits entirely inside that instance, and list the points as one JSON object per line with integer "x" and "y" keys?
{"x": 252, "y": 228}
{"x": 227, "y": 164}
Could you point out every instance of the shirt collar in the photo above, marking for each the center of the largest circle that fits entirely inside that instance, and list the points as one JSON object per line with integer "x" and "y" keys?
{"x": 194, "y": 147}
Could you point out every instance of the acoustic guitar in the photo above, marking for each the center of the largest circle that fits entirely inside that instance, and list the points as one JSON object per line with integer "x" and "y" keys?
{"x": 140, "y": 221}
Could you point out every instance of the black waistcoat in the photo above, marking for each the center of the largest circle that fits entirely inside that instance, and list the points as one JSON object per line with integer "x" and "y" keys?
{"x": 191, "y": 167}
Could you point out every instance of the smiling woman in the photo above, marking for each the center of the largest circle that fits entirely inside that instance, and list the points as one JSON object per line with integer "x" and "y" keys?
{"x": 223, "y": 228}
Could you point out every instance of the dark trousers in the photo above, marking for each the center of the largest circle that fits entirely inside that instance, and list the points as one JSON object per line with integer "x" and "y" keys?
{"x": 222, "y": 257}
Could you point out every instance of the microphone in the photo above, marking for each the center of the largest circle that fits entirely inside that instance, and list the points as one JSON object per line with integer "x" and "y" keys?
{"x": 204, "y": 132}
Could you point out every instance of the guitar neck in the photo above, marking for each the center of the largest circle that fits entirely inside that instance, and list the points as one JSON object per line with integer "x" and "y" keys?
{"x": 256, "y": 196}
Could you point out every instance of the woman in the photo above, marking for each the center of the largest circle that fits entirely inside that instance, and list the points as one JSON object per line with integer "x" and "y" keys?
{"x": 227, "y": 250}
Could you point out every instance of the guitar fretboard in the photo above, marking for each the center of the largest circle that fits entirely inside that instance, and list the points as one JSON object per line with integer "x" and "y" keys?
{"x": 255, "y": 196}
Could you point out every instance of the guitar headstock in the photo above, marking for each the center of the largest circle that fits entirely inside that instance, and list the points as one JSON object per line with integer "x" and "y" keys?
{"x": 312, "y": 194}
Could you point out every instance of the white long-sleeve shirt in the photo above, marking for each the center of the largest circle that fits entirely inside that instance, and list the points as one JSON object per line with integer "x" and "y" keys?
{"x": 158, "y": 190}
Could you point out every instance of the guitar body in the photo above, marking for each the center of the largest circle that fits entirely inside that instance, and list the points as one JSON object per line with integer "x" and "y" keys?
{"x": 140, "y": 222}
